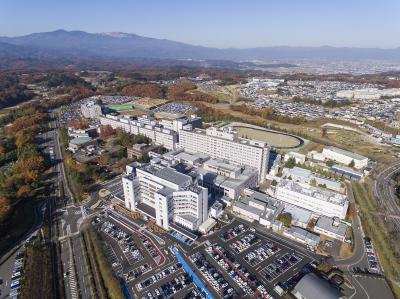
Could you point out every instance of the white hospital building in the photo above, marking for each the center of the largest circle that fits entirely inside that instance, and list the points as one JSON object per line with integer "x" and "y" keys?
{"x": 225, "y": 144}
{"x": 320, "y": 201}
{"x": 166, "y": 195}
{"x": 143, "y": 126}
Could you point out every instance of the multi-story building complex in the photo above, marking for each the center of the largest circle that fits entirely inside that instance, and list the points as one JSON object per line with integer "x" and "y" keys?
{"x": 223, "y": 180}
{"x": 345, "y": 157}
{"x": 170, "y": 197}
{"x": 90, "y": 109}
{"x": 143, "y": 126}
{"x": 320, "y": 201}
{"x": 225, "y": 144}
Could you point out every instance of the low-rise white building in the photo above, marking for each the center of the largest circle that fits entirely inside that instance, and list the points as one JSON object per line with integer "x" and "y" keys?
{"x": 305, "y": 176}
{"x": 299, "y": 158}
{"x": 317, "y": 200}
{"x": 300, "y": 217}
{"x": 331, "y": 227}
{"x": 345, "y": 157}
{"x": 302, "y": 235}
{"x": 216, "y": 209}
{"x": 256, "y": 206}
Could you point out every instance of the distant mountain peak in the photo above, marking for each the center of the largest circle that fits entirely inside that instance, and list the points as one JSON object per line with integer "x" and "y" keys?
{"x": 117, "y": 34}
{"x": 127, "y": 45}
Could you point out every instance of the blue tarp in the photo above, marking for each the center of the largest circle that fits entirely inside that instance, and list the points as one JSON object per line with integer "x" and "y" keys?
{"x": 200, "y": 285}
{"x": 125, "y": 289}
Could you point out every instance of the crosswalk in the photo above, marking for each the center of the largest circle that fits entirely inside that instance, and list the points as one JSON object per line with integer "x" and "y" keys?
{"x": 72, "y": 275}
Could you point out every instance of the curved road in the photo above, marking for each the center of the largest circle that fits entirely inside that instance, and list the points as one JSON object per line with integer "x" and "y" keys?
{"x": 384, "y": 193}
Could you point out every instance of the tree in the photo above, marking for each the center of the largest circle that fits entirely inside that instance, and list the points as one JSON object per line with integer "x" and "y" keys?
{"x": 351, "y": 164}
{"x": 274, "y": 183}
{"x": 313, "y": 182}
{"x": 5, "y": 207}
{"x": 330, "y": 163}
{"x": 285, "y": 218}
{"x": 144, "y": 159}
{"x": 323, "y": 132}
{"x": 290, "y": 163}
{"x": 106, "y": 131}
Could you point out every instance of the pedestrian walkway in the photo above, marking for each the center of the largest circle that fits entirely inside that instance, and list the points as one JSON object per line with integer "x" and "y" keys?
{"x": 200, "y": 285}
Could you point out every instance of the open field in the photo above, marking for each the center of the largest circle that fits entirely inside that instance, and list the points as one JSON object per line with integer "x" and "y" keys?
{"x": 272, "y": 138}
{"x": 227, "y": 93}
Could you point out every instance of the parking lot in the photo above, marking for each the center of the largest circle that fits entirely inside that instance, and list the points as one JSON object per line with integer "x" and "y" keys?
{"x": 251, "y": 262}
{"x": 175, "y": 108}
{"x": 236, "y": 261}
{"x": 135, "y": 258}
{"x": 10, "y": 283}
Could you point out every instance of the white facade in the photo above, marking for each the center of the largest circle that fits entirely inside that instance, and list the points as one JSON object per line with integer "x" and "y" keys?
{"x": 345, "y": 157}
{"x": 182, "y": 123}
{"x": 300, "y": 158}
{"x": 224, "y": 144}
{"x": 319, "y": 201}
{"x": 90, "y": 110}
{"x": 143, "y": 126}
{"x": 172, "y": 195}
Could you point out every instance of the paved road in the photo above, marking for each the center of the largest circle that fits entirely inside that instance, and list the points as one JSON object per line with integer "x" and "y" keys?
{"x": 359, "y": 257}
{"x": 69, "y": 217}
{"x": 362, "y": 285}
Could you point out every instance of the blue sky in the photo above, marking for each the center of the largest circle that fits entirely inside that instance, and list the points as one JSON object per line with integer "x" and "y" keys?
{"x": 216, "y": 23}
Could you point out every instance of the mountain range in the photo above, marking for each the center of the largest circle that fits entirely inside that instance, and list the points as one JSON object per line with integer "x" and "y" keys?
{"x": 73, "y": 45}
